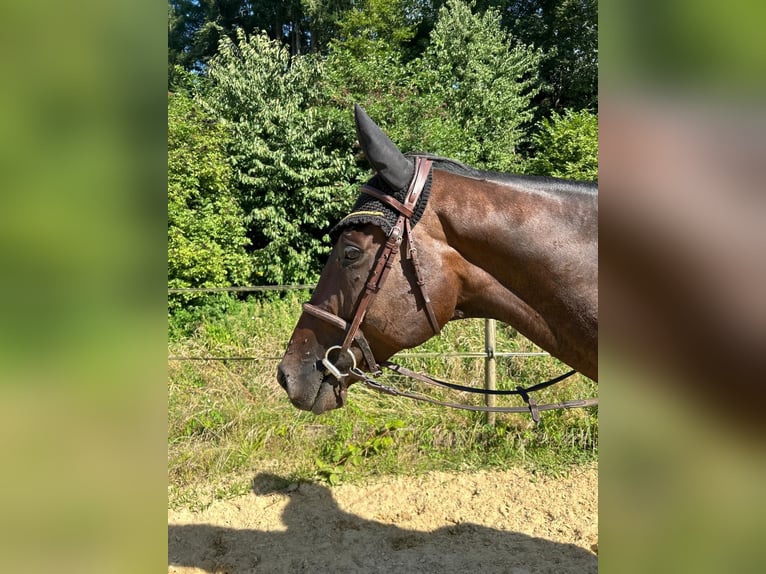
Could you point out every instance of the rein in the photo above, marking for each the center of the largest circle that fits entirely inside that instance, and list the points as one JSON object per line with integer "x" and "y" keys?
{"x": 532, "y": 407}
{"x": 402, "y": 231}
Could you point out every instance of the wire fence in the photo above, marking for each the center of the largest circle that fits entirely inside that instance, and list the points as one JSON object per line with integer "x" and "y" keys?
{"x": 240, "y": 289}
{"x": 488, "y": 352}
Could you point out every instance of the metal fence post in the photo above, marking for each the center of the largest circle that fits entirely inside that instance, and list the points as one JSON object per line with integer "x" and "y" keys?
{"x": 490, "y": 374}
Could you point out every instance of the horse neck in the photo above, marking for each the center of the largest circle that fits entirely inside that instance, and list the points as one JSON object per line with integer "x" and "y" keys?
{"x": 529, "y": 253}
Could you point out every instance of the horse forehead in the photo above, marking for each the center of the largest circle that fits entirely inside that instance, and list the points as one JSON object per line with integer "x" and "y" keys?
{"x": 363, "y": 234}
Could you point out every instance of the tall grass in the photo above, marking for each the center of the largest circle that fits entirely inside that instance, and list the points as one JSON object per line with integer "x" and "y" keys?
{"x": 230, "y": 419}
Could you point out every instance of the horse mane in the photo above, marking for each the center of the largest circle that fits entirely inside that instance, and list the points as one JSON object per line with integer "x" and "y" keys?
{"x": 525, "y": 182}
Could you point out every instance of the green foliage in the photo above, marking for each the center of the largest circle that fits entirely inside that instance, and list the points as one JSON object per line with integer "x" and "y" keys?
{"x": 565, "y": 30}
{"x": 482, "y": 83}
{"x": 191, "y": 310}
{"x": 206, "y": 237}
{"x": 567, "y": 146}
{"x": 567, "y": 33}
{"x": 293, "y": 163}
{"x": 273, "y": 152}
{"x": 195, "y": 27}
{"x": 320, "y": 21}
{"x": 365, "y": 65}
{"x": 374, "y": 26}
{"x": 471, "y": 70}
{"x": 339, "y": 455}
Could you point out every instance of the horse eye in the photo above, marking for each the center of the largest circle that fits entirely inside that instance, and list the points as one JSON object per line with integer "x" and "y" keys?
{"x": 351, "y": 253}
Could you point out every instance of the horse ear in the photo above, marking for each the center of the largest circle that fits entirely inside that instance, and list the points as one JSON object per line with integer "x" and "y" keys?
{"x": 396, "y": 170}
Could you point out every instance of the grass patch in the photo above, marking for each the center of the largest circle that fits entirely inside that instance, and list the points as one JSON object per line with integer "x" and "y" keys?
{"x": 228, "y": 420}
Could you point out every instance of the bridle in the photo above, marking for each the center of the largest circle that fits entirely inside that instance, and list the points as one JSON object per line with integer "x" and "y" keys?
{"x": 402, "y": 231}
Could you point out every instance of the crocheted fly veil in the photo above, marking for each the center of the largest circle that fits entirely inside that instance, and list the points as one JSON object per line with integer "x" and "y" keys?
{"x": 367, "y": 209}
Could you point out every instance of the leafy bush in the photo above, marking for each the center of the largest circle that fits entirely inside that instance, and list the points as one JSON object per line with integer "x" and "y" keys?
{"x": 468, "y": 97}
{"x": 257, "y": 179}
{"x": 482, "y": 83}
{"x": 206, "y": 236}
{"x": 567, "y": 146}
{"x": 292, "y": 157}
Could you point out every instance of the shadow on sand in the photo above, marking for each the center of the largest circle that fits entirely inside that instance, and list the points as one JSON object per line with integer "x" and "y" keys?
{"x": 321, "y": 537}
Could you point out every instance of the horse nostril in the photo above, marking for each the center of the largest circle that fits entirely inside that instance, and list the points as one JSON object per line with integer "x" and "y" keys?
{"x": 282, "y": 377}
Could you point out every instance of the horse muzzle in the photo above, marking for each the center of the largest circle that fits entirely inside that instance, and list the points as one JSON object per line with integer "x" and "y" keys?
{"x": 314, "y": 391}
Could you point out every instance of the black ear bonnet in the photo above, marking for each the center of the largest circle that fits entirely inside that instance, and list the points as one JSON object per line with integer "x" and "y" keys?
{"x": 367, "y": 209}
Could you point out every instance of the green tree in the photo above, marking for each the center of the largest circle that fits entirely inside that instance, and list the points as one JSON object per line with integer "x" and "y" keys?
{"x": 195, "y": 27}
{"x": 567, "y": 33}
{"x": 292, "y": 155}
{"x": 479, "y": 83}
{"x": 321, "y": 21}
{"x": 375, "y": 26}
{"x": 567, "y": 146}
{"x": 565, "y": 30}
{"x": 206, "y": 235}
{"x": 365, "y": 65}
{"x": 468, "y": 96}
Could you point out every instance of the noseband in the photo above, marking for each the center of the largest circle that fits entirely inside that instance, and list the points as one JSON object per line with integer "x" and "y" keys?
{"x": 401, "y": 231}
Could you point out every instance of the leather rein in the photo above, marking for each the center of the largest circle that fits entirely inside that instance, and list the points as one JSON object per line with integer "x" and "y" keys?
{"x": 402, "y": 231}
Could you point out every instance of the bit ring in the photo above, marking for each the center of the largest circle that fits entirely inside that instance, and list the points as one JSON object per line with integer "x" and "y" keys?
{"x": 335, "y": 371}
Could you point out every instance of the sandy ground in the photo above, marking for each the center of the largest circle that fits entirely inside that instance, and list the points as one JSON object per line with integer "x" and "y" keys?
{"x": 501, "y": 521}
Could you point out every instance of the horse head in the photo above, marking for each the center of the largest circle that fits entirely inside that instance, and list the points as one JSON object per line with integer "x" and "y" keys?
{"x": 519, "y": 249}
{"x": 317, "y": 368}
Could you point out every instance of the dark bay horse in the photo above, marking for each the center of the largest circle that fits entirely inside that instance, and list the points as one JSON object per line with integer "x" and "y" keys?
{"x": 519, "y": 249}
